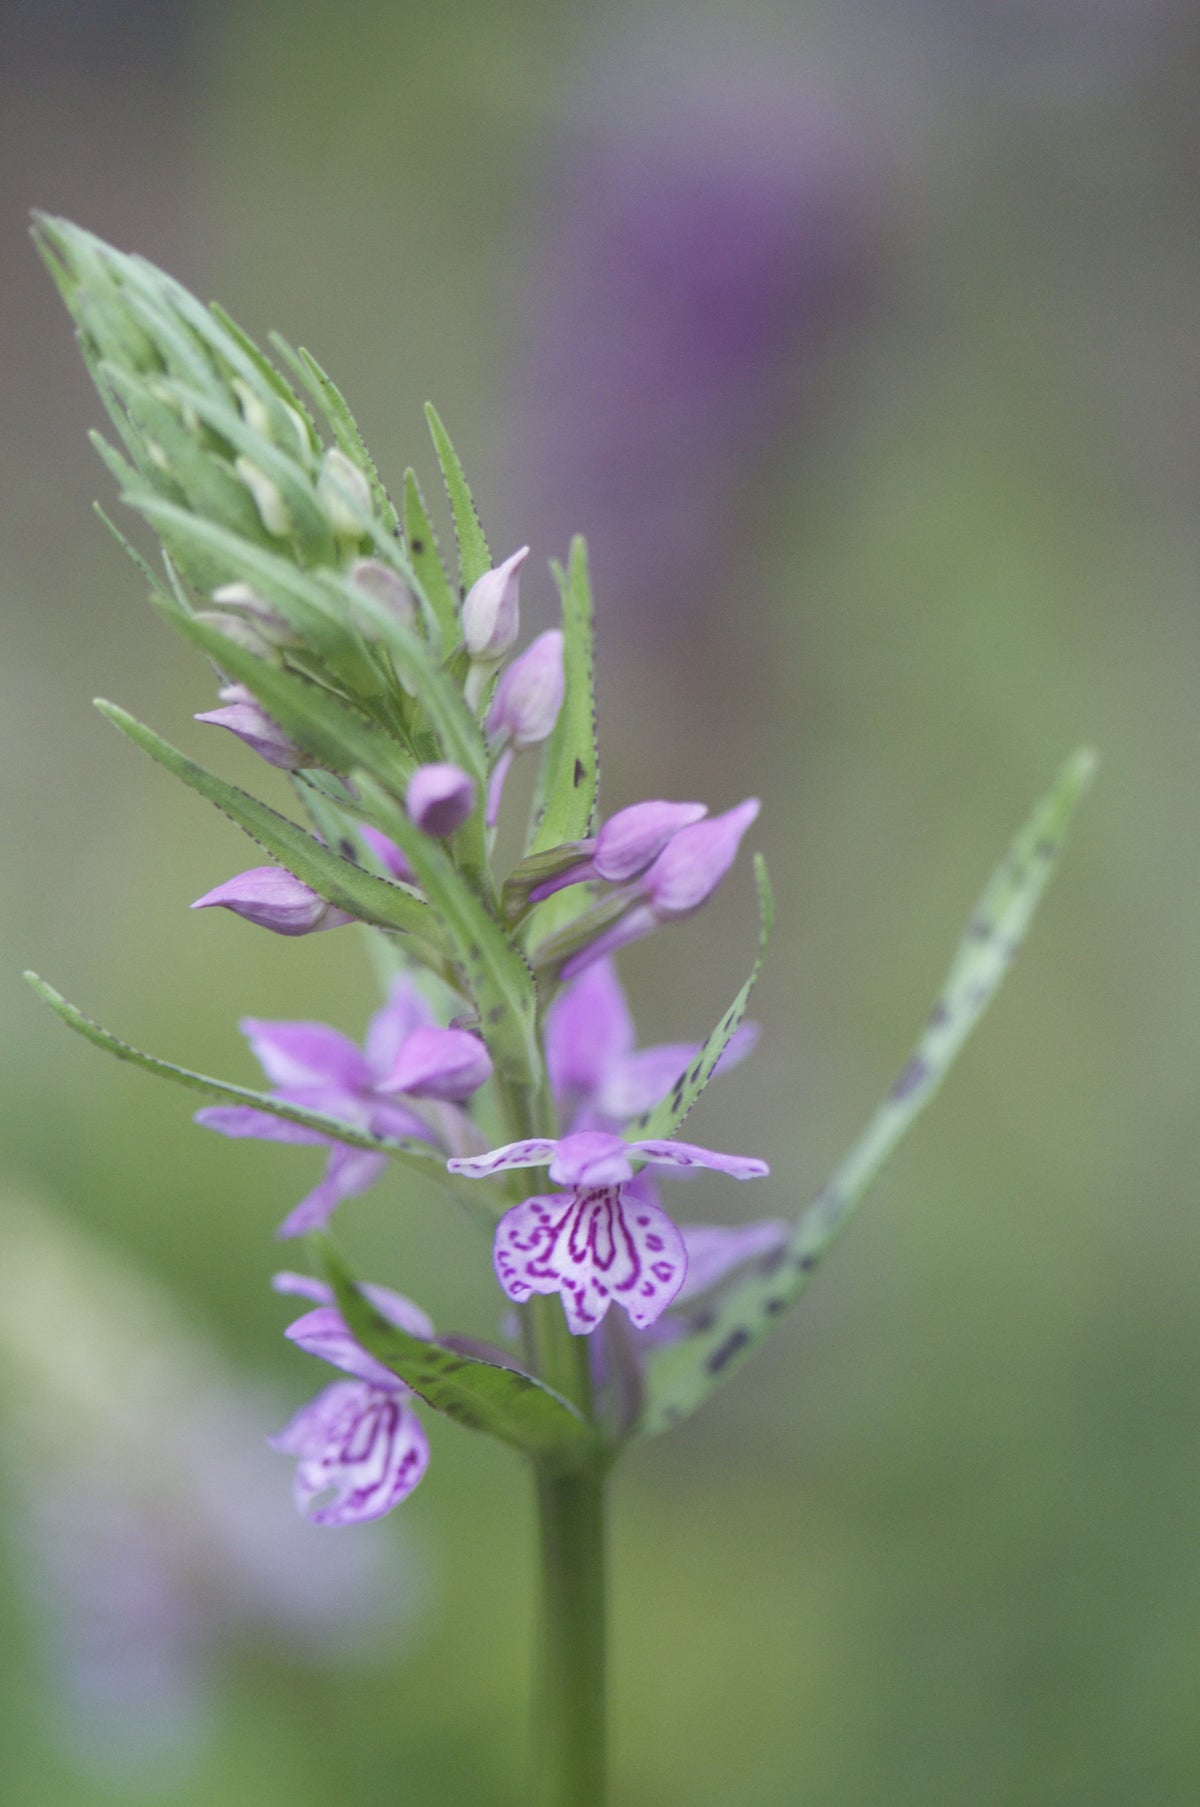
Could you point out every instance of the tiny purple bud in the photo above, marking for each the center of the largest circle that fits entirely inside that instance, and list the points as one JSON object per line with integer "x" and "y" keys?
{"x": 274, "y": 900}
{"x": 440, "y": 798}
{"x": 391, "y": 858}
{"x": 633, "y": 838}
{"x": 244, "y": 716}
{"x": 446, "y": 1064}
{"x": 530, "y": 693}
{"x": 694, "y": 862}
{"x": 387, "y": 587}
{"x": 490, "y": 611}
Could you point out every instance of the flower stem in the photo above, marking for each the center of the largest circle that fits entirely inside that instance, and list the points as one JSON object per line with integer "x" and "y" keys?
{"x": 569, "y": 1712}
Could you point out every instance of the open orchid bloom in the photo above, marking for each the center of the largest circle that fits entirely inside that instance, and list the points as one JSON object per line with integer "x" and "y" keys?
{"x": 603, "y": 1240}
{"x": 359, "y": 1438}
{"x": 407, "y": 1059}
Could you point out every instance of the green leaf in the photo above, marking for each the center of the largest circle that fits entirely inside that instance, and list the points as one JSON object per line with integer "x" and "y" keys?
{"x": 420, "y": 1156}
{"x": 473, "y": 555}
{"x": 564, "y": 803}
{"x": 338, "y": 881}
{"x": 671, "y": 1110}
{"x": 426, "y": 559}
{"x": 496, "y": 977}
{"x": 679, "y": 1376}
{"x": 336, "y": 409}
{"x": 503, "y": 1402}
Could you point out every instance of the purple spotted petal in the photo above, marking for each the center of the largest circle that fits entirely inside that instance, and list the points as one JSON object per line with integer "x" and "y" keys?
{"x": 241, "y": 1121}
{"x": 688, "y": 1154}
{"x": 535, "y": 1151}
{"x": 588, "y": 1028}
{"x": 591, "y": 1157}
{"x": 306, "y": 1054}
{"x": 348, "y": 1172}
{"x": 715, "y": 1250}
{"x": 364, "y": 1444}
{"x": 596, "y": 1248}
{"x": 406, "y": 1010}
{"x": 323, "y": 1333}
{"x": 633, "y": 838}
{"x": 447, "y": 1064}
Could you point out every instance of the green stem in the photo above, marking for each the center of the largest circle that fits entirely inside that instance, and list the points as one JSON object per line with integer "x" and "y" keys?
{"x": 569, "y": 1712}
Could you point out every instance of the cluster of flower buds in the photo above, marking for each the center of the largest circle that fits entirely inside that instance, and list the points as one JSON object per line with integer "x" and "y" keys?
{"x": 347, "y": 661}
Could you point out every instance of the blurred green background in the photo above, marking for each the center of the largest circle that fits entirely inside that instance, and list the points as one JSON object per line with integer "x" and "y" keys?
{"x": 862, "y": 339}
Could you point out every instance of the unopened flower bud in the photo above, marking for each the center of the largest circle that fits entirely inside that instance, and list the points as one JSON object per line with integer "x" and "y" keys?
{"x": 272, "y": 509}
{"x": 344, "y": 494}
{"x": 274, "y": 900}
{"x": 440, "y": 798}
{"x": 243, "y": 599}
{"x": 390, "y": 857}
{"x": 444, "y": 1064}
{"x": 633, "y": 838}
{"x": 244, "y": 716}
{"x": 530, "y": 693}
{"x": 240, "y": 631}
{"x": 694, "y": 862}
{"x": 387, "y": 587}
{"x": 490, "y": 610}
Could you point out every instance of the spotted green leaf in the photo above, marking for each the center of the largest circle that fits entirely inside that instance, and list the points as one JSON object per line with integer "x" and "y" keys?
{"x": 565, "y": 800}
{"x": 679, "y": 1376}
{"x": 503, "y": 1402}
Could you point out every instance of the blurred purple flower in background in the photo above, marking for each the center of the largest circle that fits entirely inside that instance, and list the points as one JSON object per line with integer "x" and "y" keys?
{"x": 704, "y": 245}
{"x": 153, "y": 1525}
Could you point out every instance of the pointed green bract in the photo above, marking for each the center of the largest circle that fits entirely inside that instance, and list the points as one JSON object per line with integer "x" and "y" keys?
{"x": 564, "y": 804}
{"x": 426, "y": 560}
{"x": 420, "y": 1156}
{"x": 680, "y": 1375}
{"x": 473, "y": 555}
{"x": 336, "y": 410}
{"x": 670, "y": 1111}
{"x": 338, "y": 881}
{"x": 503, "y": 1402}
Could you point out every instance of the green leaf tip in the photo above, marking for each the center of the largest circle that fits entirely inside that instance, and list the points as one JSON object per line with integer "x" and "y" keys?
{"x": 679, "y": 1376}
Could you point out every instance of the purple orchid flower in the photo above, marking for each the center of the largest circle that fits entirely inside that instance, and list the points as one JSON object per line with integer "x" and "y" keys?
{"x": 358, "y": 1437}
{"x": 627, "y": 844}
{"x": 604, "y": 1239}
{"x": 599, "y": 1077}
{"x": 406, "y": 1058}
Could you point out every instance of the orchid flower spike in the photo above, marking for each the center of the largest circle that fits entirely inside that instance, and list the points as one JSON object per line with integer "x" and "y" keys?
{"x": 274, "y": 900}
{"x": 603, "y": 1240}
{"x": 359, "y": 1438}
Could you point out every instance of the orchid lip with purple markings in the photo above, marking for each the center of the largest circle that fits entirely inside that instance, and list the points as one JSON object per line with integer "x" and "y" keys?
{"x": 603, "y": 1241}
{"x": 359, "y": 1438}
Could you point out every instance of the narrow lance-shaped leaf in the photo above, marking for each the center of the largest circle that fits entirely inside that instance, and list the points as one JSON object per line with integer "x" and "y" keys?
{"x": 424, "y": 1159}
{"x": 497, "y": 978}
{"x": 428, "y": 569}
{"x": 473, "y": 555}
{"x": 666, "y": 1116}
{"x": 338, "y": 881}
{"x": 503, "y": 1402}
{"x": 565, "y": 800}
{"x": 679, "y": 1376}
